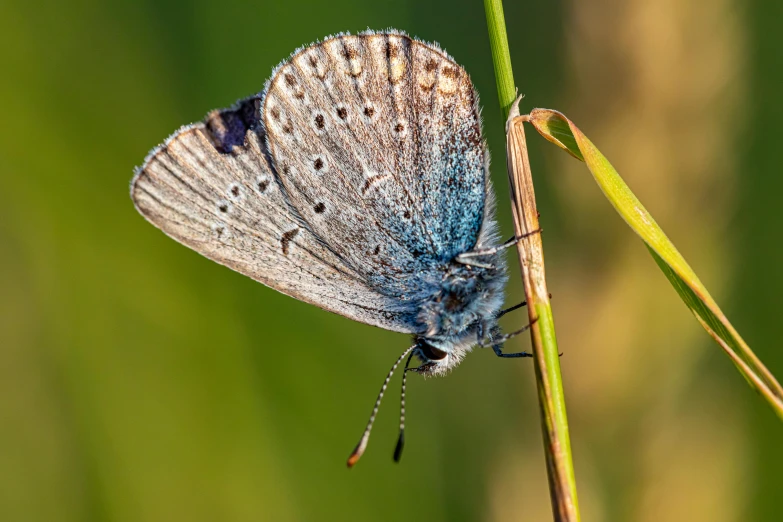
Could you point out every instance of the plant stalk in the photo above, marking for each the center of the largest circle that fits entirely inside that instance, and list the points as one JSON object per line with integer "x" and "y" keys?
{"x": 501, "y": 58}
{"x": 557, "y": 443}
{"x": 551, "y": 399}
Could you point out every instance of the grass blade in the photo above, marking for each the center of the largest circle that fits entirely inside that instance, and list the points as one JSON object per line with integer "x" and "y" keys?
{"x": 558, "y": 129}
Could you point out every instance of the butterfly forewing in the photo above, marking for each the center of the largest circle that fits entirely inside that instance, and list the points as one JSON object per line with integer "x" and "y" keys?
{"x": 210, "y": 187}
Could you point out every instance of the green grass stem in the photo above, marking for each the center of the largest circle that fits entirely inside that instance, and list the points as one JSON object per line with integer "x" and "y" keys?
{"x": 557, "y": 443}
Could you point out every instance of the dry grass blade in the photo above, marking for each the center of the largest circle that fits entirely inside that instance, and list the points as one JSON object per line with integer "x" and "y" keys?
{"x": 557, "y": 442}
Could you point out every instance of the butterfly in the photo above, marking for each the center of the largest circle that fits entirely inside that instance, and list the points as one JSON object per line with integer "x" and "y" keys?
{"x": 357, "y": 181}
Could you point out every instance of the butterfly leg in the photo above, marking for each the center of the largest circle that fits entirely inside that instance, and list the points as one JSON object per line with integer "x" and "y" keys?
{"x": 499, "y": 353}
{"x": 498, "y": 342}
{"x": 466, "y": 257}
{"x": 510, "y": 309}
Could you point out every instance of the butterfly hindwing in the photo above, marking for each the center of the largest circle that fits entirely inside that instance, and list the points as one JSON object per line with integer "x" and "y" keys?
{"x": 377, "y": 141}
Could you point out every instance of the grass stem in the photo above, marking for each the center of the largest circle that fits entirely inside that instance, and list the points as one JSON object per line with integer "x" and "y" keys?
{"x": 557, "y": 443}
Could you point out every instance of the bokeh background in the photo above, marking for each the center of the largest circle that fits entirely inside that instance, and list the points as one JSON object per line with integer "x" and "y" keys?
{"x": 140, "y": 382}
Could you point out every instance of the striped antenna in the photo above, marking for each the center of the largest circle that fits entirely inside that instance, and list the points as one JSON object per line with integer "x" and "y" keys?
{"x": 401, "y": 439}
{"x": 357, "y": 453}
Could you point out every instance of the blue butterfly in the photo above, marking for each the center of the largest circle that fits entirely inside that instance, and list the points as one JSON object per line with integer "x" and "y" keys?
{"x": 358, "y": 181}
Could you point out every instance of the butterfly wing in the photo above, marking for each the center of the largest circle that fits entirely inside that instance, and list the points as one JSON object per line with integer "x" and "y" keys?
{"x": 377, "y": 141}
{"x": 210, "y": 186}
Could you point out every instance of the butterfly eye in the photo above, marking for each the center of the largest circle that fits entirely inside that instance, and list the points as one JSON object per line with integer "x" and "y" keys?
{"x": 430, "y": 352}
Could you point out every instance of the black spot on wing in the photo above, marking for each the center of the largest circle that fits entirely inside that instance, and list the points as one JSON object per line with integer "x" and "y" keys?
{"x": 227, "y": 128}
{"x": 285, "y": 241}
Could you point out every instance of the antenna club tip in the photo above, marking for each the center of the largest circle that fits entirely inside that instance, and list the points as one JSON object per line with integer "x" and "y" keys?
{"x": 358, "y": 451}
{"x": 353, "y": 459}
{"x": 398, "y": 448}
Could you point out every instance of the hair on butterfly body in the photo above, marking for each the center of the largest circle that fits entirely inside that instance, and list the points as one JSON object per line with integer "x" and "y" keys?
{"x": 358, "y": 181}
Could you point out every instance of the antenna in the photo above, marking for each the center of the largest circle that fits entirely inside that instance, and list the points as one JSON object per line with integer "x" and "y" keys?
{"x": 359, "y": 450}
{"x": 401, "y": 439}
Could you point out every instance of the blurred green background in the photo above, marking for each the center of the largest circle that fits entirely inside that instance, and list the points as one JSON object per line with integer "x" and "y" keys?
{"x": 141, "y": 382}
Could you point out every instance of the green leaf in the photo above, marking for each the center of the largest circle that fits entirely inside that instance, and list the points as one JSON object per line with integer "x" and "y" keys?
{"x": 558, "y": 129}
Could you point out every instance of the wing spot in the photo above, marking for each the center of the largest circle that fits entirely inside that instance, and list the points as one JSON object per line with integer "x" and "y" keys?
{"x": 235, "y": 191}
{"x": 275, "y": 112}
{"x": 319, "y": 208}
{"x": 400, "y": 128}
{"x": 224, "y": 206}
{"x": 342, "y": 112}
{"x": 392, "y": 51}
{"x": 449, "y": 81}
{"x": 450, "y": 72}
{"x": 377, "y": 250}
{"x": 371, "y": 181}
{"x": 320, "y": 121}
{"x": 262, "y": 185}
{"x": 318, "y": 164}
{"x": 351, "y": 56}
{"x": 430, "y": 66}
{"x": 369, "y": 111}
{"x": 220, "y": 231}
{"x": 406, "y": 214}
{"x": 318, "y": 67}
{"x": 293, "y": 86}
{"x": 285, "y": 241}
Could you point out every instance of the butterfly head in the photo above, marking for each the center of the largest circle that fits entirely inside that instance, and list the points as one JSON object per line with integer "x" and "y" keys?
{"x": 438, "y": 357}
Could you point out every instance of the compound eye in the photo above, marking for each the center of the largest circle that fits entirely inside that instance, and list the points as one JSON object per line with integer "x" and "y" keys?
{"x": 430, "y": 352}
